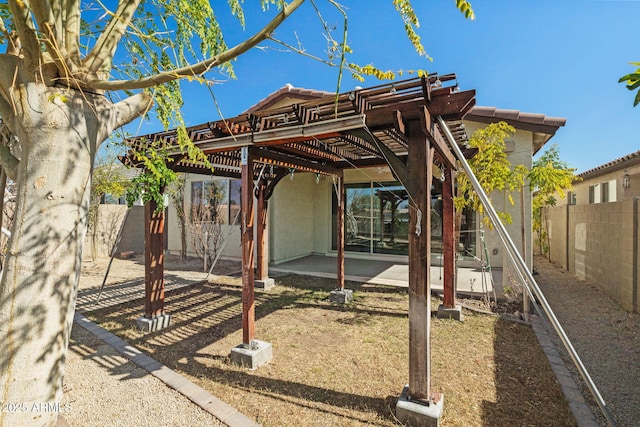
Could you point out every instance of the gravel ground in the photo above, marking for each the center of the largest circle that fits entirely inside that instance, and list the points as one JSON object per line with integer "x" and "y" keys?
{"x": 105, "y": 389}
{"x": 606, "y": 337}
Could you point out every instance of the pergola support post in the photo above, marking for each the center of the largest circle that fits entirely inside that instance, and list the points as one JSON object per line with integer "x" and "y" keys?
{"x": 154, "y": 317}
{"x": 417, "y": 405}
{"x": 251, "y": 353}
{"x": 448, "y": 309}
{"x": 340, "y": 294}
{"x": 262, "y": 281}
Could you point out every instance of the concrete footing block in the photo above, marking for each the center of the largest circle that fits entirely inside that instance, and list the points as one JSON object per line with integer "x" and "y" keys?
{"x": 450, "y": 313}
{"x": 153, "y": 324}
{"x": 256, "y": 354}
{"x": 419, "y": 414}
{"x": 265, "y": 284}
{"x": 341, "y": 296}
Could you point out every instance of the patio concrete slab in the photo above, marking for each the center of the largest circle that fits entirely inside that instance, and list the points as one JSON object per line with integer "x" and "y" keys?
{"x": 470, "y": 281}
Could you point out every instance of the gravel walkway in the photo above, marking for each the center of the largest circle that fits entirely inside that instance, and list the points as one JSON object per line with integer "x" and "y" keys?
{"x": 102, "y": 387}
{"x": 105, "y": 389}
{"x": 606, "y": 337}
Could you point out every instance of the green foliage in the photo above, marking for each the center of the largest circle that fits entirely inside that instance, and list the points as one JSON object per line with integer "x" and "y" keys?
{"x": 108, "y": 174}
{"x": 633, "y": 82}
{"x": 108, "y": 179}
{"x": 492, "y": 169}
{"x": 548, "y": 177}
{"x": 150, "y": 184}
{"x": 411, "y": 23}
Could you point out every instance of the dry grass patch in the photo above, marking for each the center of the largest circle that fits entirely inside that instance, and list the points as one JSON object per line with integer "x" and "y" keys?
{"x": 345, "y": 365}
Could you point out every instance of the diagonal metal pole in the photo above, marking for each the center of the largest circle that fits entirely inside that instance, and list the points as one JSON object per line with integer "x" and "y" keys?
{"x": 523, "y": 271}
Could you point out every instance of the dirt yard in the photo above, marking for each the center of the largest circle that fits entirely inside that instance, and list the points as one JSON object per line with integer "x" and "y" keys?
{"x": 340, "y": 365}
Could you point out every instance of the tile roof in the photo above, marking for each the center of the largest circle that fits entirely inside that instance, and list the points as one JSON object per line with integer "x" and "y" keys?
{"x": 516, "y": 116}
{"x": 283, "y": 92}
{"x": 619, "y": 163}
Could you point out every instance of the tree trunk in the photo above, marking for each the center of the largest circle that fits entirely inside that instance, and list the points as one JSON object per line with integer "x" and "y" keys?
{"x": 59, "y": 131}
{"x": 183, "y": 240}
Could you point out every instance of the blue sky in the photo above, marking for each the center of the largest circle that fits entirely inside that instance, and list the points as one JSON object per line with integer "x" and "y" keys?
{"x": 561, "y": 58}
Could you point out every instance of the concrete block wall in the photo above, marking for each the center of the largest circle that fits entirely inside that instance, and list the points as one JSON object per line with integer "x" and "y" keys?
{"x": 110, "y": 219}
{"x": 556, "y": 220}
{"x": 599, "y": 244}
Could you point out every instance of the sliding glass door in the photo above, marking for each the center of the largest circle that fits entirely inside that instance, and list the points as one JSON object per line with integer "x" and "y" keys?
{"x": 377, "y": 220}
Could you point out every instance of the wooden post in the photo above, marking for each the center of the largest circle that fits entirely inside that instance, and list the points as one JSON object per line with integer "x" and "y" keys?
{"x": 262, "y": 264}
{"x": 248, "y": 300}
{"x": 448, "y": 241}
{"x": 340, "y": 231}
{"x": 419, "y": 166}
{"x": 383, "y": 202}
{"x": 153, "y": 261}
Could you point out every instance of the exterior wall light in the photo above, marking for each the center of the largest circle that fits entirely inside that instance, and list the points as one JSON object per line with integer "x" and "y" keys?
{"x": 626, "y": 180}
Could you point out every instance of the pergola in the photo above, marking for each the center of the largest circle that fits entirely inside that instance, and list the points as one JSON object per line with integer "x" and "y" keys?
{"x": 391, "y": 125}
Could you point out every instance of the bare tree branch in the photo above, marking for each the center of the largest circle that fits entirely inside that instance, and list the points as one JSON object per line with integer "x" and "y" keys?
{"x": 201, "y": 67}
{"x": 11, "y": 39}
{"x": 132, "y": 107}
{"x": 101, "y": 56}
{"x": 47, "y": 25}
{"x": 53, "y": 39}
{"x": 70, "y": 12}
{"x": 26, "y": 32}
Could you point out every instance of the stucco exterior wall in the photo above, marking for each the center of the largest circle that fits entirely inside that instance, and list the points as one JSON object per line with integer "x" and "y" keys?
{"x": 322, "y": 226}
{"x": 519, "y": 149}
{"x": 292, "y": 217}
{"x": 231, "y": 233}
{"x": 602, "y": 246}
{"x": 581, "y": 188}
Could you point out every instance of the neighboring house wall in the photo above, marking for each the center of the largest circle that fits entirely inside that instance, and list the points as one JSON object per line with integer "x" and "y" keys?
{"x": 599, "y": 244}
{"x": 590, "y": 190}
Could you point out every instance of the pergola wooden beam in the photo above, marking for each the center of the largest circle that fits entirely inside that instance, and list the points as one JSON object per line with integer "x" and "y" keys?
{"x": 154, "y": 261}
{"x": 397, "y": 165}
{"x": 436, "y": 138}
{"x": 392, "y": 125}
{"x": 262, "y": 223}
{"x": 419, "y": 165}
{"x": 340, "y": 231}
{"x": 284, "y": 160}
{"x": 448, "y": 240}
{"x": 246, "y": 231}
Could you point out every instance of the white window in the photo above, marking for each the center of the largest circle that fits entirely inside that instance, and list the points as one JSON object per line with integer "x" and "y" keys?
{"x": 223, "y": 193}
{"x": 594, "y": 193}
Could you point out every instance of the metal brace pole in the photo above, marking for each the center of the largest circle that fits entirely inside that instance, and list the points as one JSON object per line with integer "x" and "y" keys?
{"x": 521, "y": 267}
{"x": 114, "y": 249}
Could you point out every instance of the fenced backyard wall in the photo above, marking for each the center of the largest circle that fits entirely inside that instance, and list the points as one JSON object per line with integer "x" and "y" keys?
{"x": 110, "y": 219}
{"x": 599, "y": 243}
